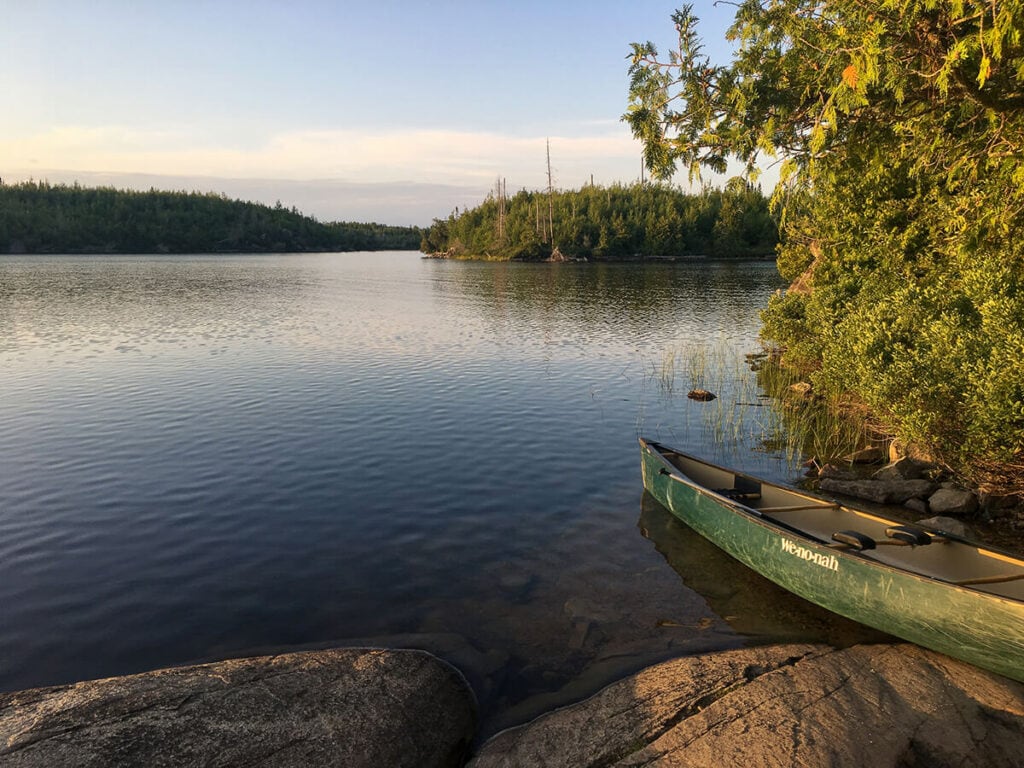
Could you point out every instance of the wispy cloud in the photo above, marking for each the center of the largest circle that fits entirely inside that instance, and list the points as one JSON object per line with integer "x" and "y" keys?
{"x": 427, "y": 156}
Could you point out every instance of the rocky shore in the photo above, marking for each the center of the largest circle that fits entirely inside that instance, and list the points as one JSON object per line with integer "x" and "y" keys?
{"x": 893, "y": 473}
{"x": 877, "y": 705}
{"x": 341, "y": 707}
{"x": 783, "y": 705}
{"x": 929, "y": 497}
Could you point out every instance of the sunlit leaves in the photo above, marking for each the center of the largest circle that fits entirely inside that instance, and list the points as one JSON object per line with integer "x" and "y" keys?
{"x": 899, "y": 129}
{"x": 850, "y": 76}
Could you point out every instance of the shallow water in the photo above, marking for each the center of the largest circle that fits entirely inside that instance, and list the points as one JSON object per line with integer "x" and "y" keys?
{"x": 211, "y": 456}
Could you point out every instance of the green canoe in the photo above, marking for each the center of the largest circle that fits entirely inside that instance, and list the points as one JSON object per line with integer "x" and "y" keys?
{"x": 926, "y": 586}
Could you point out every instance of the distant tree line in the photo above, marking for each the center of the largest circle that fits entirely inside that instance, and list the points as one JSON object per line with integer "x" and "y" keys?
{"x": 609, "y": 224}
{"x": 37, "y": 217}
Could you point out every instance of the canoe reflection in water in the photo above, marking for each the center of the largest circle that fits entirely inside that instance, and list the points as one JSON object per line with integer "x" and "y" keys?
{"x": 748, "y": 602}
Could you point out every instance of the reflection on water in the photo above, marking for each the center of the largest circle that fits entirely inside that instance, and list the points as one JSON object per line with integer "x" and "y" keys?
{"x": 204, "y": 457}
{"x": 752, "y": 605}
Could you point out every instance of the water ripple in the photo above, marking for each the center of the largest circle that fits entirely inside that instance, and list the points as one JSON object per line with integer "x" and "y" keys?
{"x": 204, "y": 456}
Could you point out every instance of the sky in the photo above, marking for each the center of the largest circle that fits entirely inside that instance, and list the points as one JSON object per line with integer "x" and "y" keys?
{"x": 392, "y": 110}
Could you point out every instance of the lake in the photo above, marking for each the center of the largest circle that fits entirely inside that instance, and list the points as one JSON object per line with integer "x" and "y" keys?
{"x": 213, "y": 456}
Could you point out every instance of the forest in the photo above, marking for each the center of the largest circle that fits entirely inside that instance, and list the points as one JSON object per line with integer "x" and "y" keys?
{"x": 37, "y": 217}
{"x": 613, "y": 223}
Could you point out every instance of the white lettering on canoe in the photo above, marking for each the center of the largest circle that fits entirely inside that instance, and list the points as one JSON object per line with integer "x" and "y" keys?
{"x": 825, "y": 561}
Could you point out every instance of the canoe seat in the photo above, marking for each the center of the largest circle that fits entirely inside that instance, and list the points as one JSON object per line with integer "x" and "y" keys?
{"x": 908, "y": 534}
{"x": 735, "y": 494}
{"x": 853, "y": 540}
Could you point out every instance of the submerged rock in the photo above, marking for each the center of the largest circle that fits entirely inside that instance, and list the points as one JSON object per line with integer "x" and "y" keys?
{"x": 352, "y": 707}
{"x": 701, "y": 394}
{"x": 782, "y": 706}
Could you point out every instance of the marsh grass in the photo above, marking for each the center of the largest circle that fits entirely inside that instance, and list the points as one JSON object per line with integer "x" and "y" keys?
{"x": 756, "y": 407}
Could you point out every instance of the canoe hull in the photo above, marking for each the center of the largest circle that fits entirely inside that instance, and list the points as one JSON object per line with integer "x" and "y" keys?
{"x": 983, "y": 629}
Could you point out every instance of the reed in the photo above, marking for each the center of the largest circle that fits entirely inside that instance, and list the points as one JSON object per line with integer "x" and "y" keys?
{"x": 756, "y": 407}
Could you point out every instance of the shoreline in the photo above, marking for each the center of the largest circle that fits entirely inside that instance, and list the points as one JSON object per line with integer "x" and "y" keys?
{"x": 776, "y": 704}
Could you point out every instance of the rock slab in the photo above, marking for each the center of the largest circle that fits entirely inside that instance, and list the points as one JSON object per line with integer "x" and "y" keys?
{"x": 351, "y": 707}
{"x": 880, "y": 491}
{"x": 877, "y": 705}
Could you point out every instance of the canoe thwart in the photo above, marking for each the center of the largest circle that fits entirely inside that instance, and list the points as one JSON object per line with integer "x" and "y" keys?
{"x": 853, "y": 540}
{"x": 798, "y": 507}
{"x": 908, "y": 534}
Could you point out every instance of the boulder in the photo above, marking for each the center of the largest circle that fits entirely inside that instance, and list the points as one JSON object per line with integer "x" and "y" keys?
{"x": 901, "y": 469}
{"x": 948, "y": 525}
{"x": 352, "y": 707}
{"x": 878, "y": 705}
{"x": 952, "y": 501}
{"x": 880, "y": 491}
{"x": 920, "y": 506}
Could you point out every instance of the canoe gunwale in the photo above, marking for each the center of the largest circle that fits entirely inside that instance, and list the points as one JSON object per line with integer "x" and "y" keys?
{"x": 779, "y": 527}
{"x": 927, "y": 607}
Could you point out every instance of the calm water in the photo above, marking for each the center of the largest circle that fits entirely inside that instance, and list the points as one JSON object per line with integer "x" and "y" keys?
{"x": 203, "y": 457}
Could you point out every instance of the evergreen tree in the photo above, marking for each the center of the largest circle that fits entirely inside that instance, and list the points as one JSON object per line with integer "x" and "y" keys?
{"x": 610, "y": 223}
{"x": 36, "y": 217}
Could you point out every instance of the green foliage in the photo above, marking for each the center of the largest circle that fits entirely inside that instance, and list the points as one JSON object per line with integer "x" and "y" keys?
{"x": 611, "y": 223}
{"x": 40, "y": 218}
{"x": 900, "y": 125}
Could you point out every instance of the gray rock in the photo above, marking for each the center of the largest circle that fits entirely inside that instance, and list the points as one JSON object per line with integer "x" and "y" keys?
{"x": 880, "y": 491}
{"x": 953, "y": 501}
{"x": 901, "y": 469}
{"x": 352, "y": 707}
{"x": 917, "y": 505}
{"x": 884, "y": 705}
{"x": 948, "y": 525}
{"x": 832, "y": 472}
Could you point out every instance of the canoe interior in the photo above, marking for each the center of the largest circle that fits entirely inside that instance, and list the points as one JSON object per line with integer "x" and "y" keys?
{"x": 946, "y": 558}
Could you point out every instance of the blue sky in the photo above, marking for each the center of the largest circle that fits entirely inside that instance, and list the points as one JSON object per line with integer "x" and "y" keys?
{"x": 391, "y": 111}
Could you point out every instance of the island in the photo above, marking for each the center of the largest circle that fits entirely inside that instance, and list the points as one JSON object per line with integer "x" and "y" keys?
{"x": 635, "y": 222}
